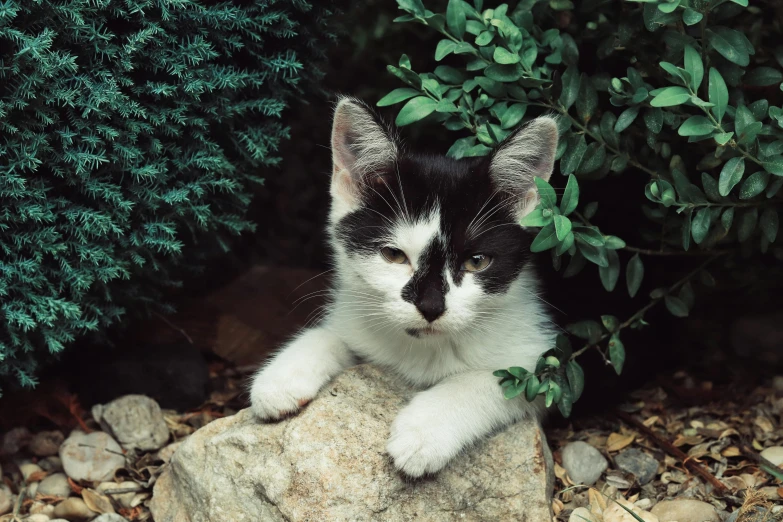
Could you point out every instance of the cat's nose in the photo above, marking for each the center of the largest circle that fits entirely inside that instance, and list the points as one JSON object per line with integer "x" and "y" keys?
{"x": 431, "y": 304}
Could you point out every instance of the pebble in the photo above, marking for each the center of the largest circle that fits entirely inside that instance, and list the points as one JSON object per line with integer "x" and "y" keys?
{"x": 6, "y": 499}
{"x": 73, "y": 508}
{"x": 46, "y": 443}
{"x": 774, "y": 454}
{"x": 777, "y": 382}
{"x": 614, "y": 512}
{"x": 51, "y": 464}
{"x": 685, "y": 510}
{"x": 584, "y": 463}
{"x": 124, "y": 499}
{"x": 638, "y": 463}
{"x": 582, "y": 514}
{"x": 136, "y": 421}
{"x": 41, "y": 508}
{"x": 28, "y": 469}
{"x": 110, "y": 517}
{"x": 14, "y": 440}
{"x": 94, "y": 457}
{"x": 39, "y": 517}
{"x": 55, "y": 485}
{"x": 32, "y": 489}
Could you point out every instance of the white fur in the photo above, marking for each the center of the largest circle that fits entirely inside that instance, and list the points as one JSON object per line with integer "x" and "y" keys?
{"x": 480, "y": 333}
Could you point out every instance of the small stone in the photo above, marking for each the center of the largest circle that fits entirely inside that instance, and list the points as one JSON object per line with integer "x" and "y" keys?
{"x": 615, "y": 513}
{"x": 774, "y": 454}
{"x": 638, "y": 463}
{"x": 38, "y": 517}
{"x": 770, "y": 492}
{"x": 136, "y": 421}
{"x": 685, "y": 510}
{"x": 582, "y": 514}
{"x": 55, "y": 485}
{"x": 166, "y": 453}
{"x": 110, "y": 517}
{"x": 41, "y": 508}
{"x": 32, "y": 489}
{"x": 94, "y": 457}
{"x": 14, "y": 440}
{"x": 124, "y": 499}
{"x": 28, "y": 469}
{"x": 6, "y": 499}
{"x": 46, "y": 443}
{"x": 584, "y": 463}
{"x": 73, "y": 508}
{"x": 777, "y": 382}
{"x": 51, "y": 464}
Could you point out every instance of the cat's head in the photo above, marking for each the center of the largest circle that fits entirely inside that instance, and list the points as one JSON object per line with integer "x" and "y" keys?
{"x": 427, "y": 242}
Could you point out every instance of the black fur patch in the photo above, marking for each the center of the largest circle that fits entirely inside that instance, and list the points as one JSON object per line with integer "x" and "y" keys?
{"x": 464, "y": 192}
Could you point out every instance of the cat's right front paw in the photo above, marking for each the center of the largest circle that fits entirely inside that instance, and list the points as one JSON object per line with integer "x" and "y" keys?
{"x": 274, "y": 401}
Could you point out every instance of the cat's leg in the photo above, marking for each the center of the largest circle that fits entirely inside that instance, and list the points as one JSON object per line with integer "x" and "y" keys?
{"x": 295, "y": 374}
{"x": 443, "y": 420}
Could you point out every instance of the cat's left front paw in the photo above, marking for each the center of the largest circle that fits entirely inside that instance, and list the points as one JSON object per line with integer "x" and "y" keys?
{"x": 418, "y": 446}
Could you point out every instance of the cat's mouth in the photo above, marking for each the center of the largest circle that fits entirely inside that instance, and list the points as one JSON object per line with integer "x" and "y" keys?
{"x": 423, "y": 332}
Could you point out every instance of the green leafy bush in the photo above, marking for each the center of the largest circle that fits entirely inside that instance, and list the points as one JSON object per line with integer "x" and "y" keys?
{"x": 130, "y": 132}
{"x": 684, "y": 95}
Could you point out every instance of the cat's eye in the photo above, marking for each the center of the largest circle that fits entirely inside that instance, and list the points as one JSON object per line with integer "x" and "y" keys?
{"x": 476, "y": 263}
{"x": 394, "y": 255}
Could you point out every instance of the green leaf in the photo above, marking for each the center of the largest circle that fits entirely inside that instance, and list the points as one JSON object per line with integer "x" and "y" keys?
{"x": 696, "y": 126}
{"x": 747, "y": 224}
{"x": 444, "y": 48}
{"x": 611, "y": 323}
{"x": 518, "y": 372}
{"x": 503, "y": 73}
{"x": 610, "y": 274}
{"x": 754, "y": 185}
{"x": 562, "y": 227}
{"x": 694, "y": 67}
{"x": 669, "y": 6}
{"x": 565, "y": 400}
{"x": 676, "y": 306}
{"x": 718, "y": 93}
{"x": 576, "y": 379}
{"x": 686, "y": 230}
{"x": 513, "y": 115}
{"x": 691, "y": 17}
{"x": 616, "y": 353}
{"x": 626, "y": 118}
{"x": 653, "y": 118}
{"x": 449, "y": 74}
{"x": 730, "y": 175}
{"x": 415, "y": 110}
{"x": 587, "y": 101}
{"x": 504, "y": 56}
{"x": 397, "y": 96}
{"x": 634, "y": 273}
{"x": 671, "y": 96}
{"x": 763, "y": 77}
{"x": 531, "y": 389}
{"x": 710, "y": 187}
{"x": 460, "y": 147}
{"x": 570, "y": 199}
{"x": 570, "y": 89}
{"x": 590, "y": 235}
{"x": 700, "y": 226}
{"x": 589, "y": 330}
{"x": 546, "y": 193}
{"x": 536, "y": 218}
{"x": 577, "y": 146}
{"x": 546, "y": 239}
{"x": 456, "y": 18}
{"x": 729, "y": 44}
{"x": 727, "y": 218}
{"x": 769, "y": 224}
{"x": 595, "y": 254}
{"x": 512, "y": 391}
{"x": 774, "y": 165}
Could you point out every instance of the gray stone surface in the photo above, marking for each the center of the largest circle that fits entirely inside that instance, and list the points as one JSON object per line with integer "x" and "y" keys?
{"x": 93, "y": 457}
{"x": 638, "y": 463}
{"x": 330, "y": 463}
{"x": 135, "y": 421}
{"x": 685, "y": 510}
{"x": 584, "y": 463}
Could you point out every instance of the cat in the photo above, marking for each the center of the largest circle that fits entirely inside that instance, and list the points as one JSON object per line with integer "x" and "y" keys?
{"x": 434, "y": 282}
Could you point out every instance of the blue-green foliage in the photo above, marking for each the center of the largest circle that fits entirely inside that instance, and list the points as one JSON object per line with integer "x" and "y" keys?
{"x": 128, "y": 130}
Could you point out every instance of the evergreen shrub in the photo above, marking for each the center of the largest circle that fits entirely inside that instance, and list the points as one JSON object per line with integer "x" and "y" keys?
{"x": 131, "y": 136}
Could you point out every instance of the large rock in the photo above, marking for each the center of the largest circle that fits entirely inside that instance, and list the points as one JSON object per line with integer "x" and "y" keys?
{"x": 330, "y": 463}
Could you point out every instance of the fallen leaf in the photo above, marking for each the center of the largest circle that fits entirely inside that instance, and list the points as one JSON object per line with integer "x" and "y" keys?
{"x": 597, "y": 501}
{"x": 731, "y": 451}
{"x": 652, "y": 420}
{"x": 617, "y": 441}
{"x": 97, "y": 502}
{"x": 687, "y": 440}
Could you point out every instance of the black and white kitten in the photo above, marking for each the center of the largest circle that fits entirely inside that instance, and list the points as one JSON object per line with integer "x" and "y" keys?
{"x": 433, "y": 282}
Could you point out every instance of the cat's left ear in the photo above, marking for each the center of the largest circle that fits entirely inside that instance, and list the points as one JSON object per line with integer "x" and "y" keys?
{"x": 527, "y": 153}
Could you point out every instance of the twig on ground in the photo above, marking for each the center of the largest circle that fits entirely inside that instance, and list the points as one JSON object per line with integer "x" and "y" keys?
{"x": 665, "y": 445}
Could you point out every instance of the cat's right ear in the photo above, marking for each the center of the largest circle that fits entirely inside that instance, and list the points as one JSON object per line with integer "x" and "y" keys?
{"x": 361, "y": 146}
